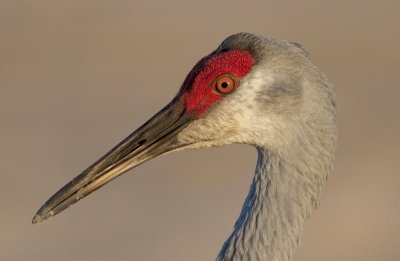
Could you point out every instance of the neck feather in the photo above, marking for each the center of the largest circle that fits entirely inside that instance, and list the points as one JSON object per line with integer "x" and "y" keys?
{"x": 281, "y": 198}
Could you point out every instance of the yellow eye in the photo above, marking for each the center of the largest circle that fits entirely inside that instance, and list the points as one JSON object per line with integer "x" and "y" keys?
{"x": 226, "y": 83}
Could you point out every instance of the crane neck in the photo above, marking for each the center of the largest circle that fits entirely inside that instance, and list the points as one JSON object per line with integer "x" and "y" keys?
{"x": 281, "y": 198}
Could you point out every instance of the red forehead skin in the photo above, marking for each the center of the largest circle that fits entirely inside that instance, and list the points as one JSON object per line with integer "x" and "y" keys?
{"x": 197, "y": 90}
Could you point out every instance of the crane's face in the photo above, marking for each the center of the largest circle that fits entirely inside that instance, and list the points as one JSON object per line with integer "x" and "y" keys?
{"x": 233, "y": 100}
{"x": 211, "y": 93}
{"x": 213, "y": 108}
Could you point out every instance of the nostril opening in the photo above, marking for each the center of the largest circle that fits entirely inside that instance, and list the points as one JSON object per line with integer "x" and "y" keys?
{"x": 125, "y": 150}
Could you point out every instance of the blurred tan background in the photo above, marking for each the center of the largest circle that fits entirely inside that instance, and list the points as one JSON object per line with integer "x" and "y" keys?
{"x": 78, "y": 76}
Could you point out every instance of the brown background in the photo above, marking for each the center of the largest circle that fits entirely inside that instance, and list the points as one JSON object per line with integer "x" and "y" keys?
{"x": 78, "y": 76}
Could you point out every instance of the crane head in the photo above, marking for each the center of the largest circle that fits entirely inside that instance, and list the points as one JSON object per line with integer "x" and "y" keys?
{"x": 233, "y": 95}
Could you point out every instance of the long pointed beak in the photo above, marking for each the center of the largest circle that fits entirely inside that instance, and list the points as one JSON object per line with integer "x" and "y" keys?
{"x": 157, "y": 136}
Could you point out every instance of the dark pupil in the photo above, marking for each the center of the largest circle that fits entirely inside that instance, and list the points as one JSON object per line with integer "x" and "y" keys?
{"x": 224, "y": 85}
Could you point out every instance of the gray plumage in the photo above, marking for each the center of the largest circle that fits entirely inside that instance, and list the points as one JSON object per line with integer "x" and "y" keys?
{"x": 285, "y": 108}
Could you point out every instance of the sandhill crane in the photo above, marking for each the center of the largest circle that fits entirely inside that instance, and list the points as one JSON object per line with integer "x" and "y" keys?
{"x": 252, "y": 90}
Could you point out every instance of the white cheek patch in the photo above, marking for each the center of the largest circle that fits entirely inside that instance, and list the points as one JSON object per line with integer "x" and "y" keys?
{"x": 254, "y": 124}
{"x": 235, "y": 119}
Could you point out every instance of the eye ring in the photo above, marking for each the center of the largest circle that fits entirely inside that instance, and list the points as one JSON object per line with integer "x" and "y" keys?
{"x": 226, "y": 83}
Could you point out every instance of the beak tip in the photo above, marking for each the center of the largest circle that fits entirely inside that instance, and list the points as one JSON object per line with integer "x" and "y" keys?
{"x": 36, "y": 219}
{"x": 40, "y": 217}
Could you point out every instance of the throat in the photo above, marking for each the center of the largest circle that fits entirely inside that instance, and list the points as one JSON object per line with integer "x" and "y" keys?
{"x": 281, "y": 198}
